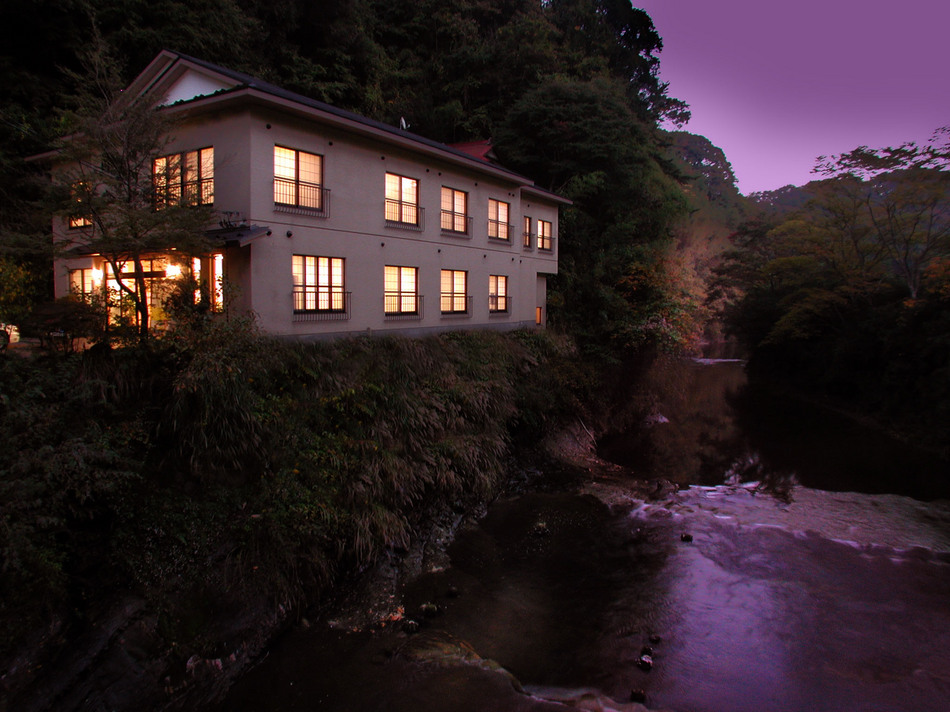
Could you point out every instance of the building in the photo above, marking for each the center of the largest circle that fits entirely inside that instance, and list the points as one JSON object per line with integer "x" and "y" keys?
{"x": 330, "y": 223}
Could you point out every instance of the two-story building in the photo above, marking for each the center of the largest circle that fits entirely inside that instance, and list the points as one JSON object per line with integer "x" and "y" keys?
{"x": 332, "y": 223}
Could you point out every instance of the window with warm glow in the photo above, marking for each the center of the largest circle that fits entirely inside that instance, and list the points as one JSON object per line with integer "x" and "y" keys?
{"x": 454, "y": 210}
{"x": 497, "y": 219}
{"x": 209, "y": 274}
{"x": 497, "y": 293}
{"x": 79, "y": 220}
{"x": 527, "y": 231}
{"x": 298, "y": 178}
{"x": 184, "y": 178}
{"x": 454, "y": 291}
{"x": 544, "y": 235}
{"x": 402, "y": 200}
{"x": 84, "y": 282}
{"x": 318, "y": 284}
{"x": 401, "y": 290}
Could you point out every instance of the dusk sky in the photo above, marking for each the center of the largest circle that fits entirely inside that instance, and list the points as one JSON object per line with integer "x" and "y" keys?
{"x": 776, "y": 84}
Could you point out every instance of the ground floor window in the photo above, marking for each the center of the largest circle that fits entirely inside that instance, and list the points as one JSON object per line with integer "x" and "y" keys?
{"x": 454, "y": 291}
{"x": 401, "y": 290}
{"x": 209, "y": 276}
{"x": 498, "y": 293}
{"x": 158, "y": 276}
{"x": 85, "y": 282}
{"x": 318, "y": 284}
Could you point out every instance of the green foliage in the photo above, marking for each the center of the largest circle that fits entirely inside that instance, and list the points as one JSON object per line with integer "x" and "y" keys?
{"x": 16, "y": 292}
{"x": 820, "y": 295}
{"x": 219, "y": 460}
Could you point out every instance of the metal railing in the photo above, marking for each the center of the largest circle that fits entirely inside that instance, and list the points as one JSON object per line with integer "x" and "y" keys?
{"x": 499, "y": 230}
{"x": 498, "y": 304}
{"x": 402, "y": 305}
{"x": 407, "y": 216}
{"x": 456, "y": 224}
{"x": 300, "y": 197}
{"x": 456, "y": 305}
{"x": 321, "y": 304}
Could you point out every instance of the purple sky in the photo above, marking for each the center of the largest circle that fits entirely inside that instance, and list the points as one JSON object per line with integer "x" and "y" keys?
{"x": 776, "y": 84}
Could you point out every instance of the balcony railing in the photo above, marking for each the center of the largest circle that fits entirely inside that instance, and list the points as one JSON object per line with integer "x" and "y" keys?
{"x": 407, "y": 216}
{"x": 402, "y": 306}
{"x": 456, "y": 224}
{"x": 528, "y": 241}
{"x": 499, "y": 230}
{"x": 301, "y": 198}
{"x": 498, "y": 304}
{"x": 457, "y": 305}
{"x": 546, "y": 244}
{"x": 321, "y": 304}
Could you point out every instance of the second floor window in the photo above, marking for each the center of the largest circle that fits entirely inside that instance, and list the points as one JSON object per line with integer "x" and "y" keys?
{"x": 78, "y": 194}
{"x": 184, "y": 178}
{"x": 318, "y": 284}
{"x": 402, "y": 200}
{"x": 401, "y": 290}
{"x": 298, "y": 178}
{"x": 527, "y": 232}
{"x": 544, "y": 235}
{"x": 497, "y": 293}
{"x": 497, "y": 219}
{"x": 454, "y": 210}
{"x": 454, "y": 291}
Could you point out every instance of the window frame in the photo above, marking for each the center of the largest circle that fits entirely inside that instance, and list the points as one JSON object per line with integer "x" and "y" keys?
{"x": 499, "y": 300}
{"x": 498, "y": 227}
{"x": 527, "y": 235}
{"x": 329, "y": 285}
{"x": 407, "y": 300}
{"x": 292, "y": 185}
{"x": 457, "y": 300}
{"x": 171, "y": 185}
{"x": 458, "y": 221}
{"x": 400, "y": 212}
{"x": 545, "y": 236}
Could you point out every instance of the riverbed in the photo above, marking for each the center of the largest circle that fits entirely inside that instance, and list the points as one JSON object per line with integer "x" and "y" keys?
{"x": 740, "y": 589}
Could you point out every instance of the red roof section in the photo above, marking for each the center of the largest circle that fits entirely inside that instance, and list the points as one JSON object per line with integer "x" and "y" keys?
{"x": 481, "y": 150}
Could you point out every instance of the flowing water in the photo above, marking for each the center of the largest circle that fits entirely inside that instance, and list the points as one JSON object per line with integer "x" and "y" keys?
{"x": 747, "y": 590}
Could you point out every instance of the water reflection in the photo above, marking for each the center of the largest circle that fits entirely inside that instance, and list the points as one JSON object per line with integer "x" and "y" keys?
{"x": 709, "y": 425}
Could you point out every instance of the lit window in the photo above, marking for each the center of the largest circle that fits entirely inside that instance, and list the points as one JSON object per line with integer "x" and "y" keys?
{"x": 401, "y": 290}
{"x": 84, "y": 282}
{"x": 318, "y": 284}
{"x": 79, "y": 193}
{"x": 454, "y": 291}
{"x": 527, "y": 231}
{"x": 498, "y": 293}
{"x": 402, "y": 200}
{"x": 209, "y": 274}
{"x": 298, "y": 178}
{"x": 454, "y": 210}
{"x": 497, "y": 219}
{"x": 544, "y": 235}
{"x": 184, "y": 178}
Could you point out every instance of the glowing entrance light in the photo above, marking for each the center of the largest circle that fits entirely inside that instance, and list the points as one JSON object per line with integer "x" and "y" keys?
{"x": 172, "y": 271}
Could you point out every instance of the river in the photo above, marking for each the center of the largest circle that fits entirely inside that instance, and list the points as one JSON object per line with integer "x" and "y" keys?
{"x": 803, "y": 563}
